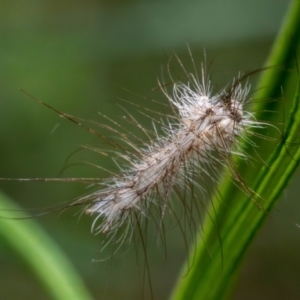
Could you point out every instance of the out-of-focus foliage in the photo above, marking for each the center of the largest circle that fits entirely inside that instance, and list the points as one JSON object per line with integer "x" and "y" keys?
{"x": 80, "y": 57}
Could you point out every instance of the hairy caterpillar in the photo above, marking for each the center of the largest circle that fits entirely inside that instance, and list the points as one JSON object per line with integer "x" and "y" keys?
{"x": 207, "y": 129}
{"x": 205, "y": 125}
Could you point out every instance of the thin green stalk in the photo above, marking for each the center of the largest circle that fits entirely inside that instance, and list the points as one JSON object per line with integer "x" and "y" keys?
{"x": 216, "y": 266}
{"x": 50, "y": 265}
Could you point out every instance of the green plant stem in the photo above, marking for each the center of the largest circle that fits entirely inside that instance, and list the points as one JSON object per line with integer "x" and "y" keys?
{"x": 44, "y": 257}
{"x": 216, "y": 265}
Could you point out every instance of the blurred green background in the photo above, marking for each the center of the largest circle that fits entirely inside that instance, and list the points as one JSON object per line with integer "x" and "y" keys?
{"x": 80, "y": 57}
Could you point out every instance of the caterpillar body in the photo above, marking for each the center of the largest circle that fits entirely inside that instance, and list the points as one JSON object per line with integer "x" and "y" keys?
{"x": 206, "y": 131}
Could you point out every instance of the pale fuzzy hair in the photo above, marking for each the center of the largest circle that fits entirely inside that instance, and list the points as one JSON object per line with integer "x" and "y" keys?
{"x": 204, "y": 134}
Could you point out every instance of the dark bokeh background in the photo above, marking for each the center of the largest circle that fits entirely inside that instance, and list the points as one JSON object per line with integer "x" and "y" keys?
{"x": 79, "y": 57}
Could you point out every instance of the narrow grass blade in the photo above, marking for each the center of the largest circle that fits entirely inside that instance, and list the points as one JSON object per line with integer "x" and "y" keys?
{"x": 216, "y": 265}
{"x": 51, "y": 267}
